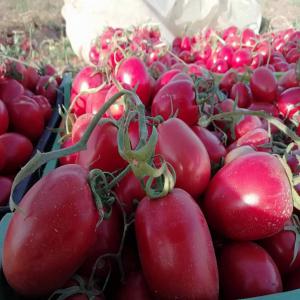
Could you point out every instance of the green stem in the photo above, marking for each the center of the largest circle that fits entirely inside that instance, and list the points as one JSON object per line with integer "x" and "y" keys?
{"x": 118, "y": 178}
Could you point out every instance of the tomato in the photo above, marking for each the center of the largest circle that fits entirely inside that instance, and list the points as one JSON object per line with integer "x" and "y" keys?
{"x": 241, "y": 92}
{"x": 10, "y": 89}
{"x": 288, "y": 102}
{"x": 134, "y": 288}
{"x": 256, "y": 138}
{"x": 18, "y": 150}
{"x": 53, "y": 226}
{"x": 117, "y": 109}
{"x": 71, "y": 158}
{"x": 44, "y": 105}
{"x": 16, "y": 70}
{"x": 4, "y": 117}
{"x": 2, "y": 156}
{"x": 247, "y": 270}
{"x": 266, "y": 107}
{"x": 249, "y": 198}
{"x": 177, "y": 144}
{"x": 248, "y": 37}
{"x": 47, "y": 86}
{"x": 237, "y": 152}
{"x": 247, "y": 124}
{"x": 169, "y": 251}
{"x": 225, "y": 54}
{"x": 128, "y": 190}
{"x": 289, "y": 79}
{"x": 80, "y": 126}
{"x": 32, "y": 78}
{"x": 108, "y": 239}
{"x": 5, "y": 187}
{"x": 241, "y": 58}
{"x": 215, "y": 149}
{"x": 281, "y": 248}
{"x": 133, "y": 72}
{"x": 102, "y": 150}
{"x": 27, "y": 117}
{"x": 263, "y": 85}
{"x": 156, "y": 69}
{"x": 176, "y": 98}
{"x": 227, "y": 81}
{"x": 87, "y": 78}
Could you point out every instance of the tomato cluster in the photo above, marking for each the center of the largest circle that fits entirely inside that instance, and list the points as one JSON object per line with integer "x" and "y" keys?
{"x": 186, "y": 187}
{"x": 26, "y": 100}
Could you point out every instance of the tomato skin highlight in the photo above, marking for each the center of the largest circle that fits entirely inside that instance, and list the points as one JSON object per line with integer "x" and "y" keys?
{"x": 177, "y": 143}
{"x": 247, "y": 270}
{"x": 59, "y": 230}
{"x": 249, "y": 198}
{"x": 177, "y": 257}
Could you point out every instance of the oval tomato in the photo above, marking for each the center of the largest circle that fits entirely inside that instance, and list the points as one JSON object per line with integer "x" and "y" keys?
{"x": 288, "y": 102}
{"x": 133, "y": 72}
{"x": 71, "y": 158}
{"x": 170, "y": 258}
{"x": 176, "y": 98}
{"x": 27, "y": 117}
{"x": 247, "y": 270}
{"x": 4, "y": 118}
{"x": 263, "y": 85}
{"x": 5, "y": 187}
{"x": 249, "y": 198}
{"x": 53, "y": 226}
{"x": 241, "y": 92}
{"x": 180, "y": 146}
{"x": 44, "y": 105}
{"x": 32, "y": 78}
{"x": 18, "y": 150}
{"x": 47, "y": 86}
{"x": 102, "y": 150}
{"x": 80, "y": 125}
{"x": 10, "y": 89}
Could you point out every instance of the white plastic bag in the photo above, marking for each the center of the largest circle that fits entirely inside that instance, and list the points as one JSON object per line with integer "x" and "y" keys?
{"x": 85, "y": 19}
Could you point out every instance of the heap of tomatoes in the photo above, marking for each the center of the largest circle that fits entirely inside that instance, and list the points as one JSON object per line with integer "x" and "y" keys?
{"x": 186, "y": 187}
{"x": 26, "y": 100}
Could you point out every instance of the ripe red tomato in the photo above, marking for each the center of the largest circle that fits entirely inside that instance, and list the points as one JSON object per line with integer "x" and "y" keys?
{"x": 71, "y": 158}
{"x": 102, "y": 150}
{"x": 87, "y": 78}
{"x": 227, "y": 81}
{"x": 117, "y": 109}
{"x": 133, "y": 72}
{"x": 263, "y": 85}
{"x": 80, "y": 125}
{"x": 242, "y": 93}
{"x": 27, "y": 117}
{"x": 241, "y": 58}
{"x": 249, "y": 198}
{"x": 288, "y": 102}
{"x": 134, "y": 288}
{"x": 5, "y": 187}
{"x": 10, "y": 89}
{"x": 247, "y": 270}
{"x": 281, "y": 248}
{"x": 170, "y": 258}
{"x": 18, "y": 150}
{"x": 44, "y": 105}
{"x": 247, "y": 124}
{"x": 176, "y": 98}
{"x": 32, "y": 78}
{"x": 177, "y": 143}
{"x": 55, "y": 230}
{"x": 47, "y": 86}
{"x": 4, "y": 118}
{"x": 215, "y": 149}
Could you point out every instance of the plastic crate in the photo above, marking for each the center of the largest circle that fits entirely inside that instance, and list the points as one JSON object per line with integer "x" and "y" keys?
{"x": 44, "y": 145}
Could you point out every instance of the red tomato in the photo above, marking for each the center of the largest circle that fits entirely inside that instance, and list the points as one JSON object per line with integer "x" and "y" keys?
{"x": 71, "y": 158}
{"x": 241, "y": 92}
{"x": 288, "y": 102}
{"x": 108, "y": 239}
{"x": 247, "y": 124}
{"x": 18, "y": 150}
{"x": 4, "y": 118}
{"x": 170, "y": 258}
{"x": 263, "y": 85}
{"x": 241, "y": 58}
{"x": 237, "y": 152}
{"x": 80, "y": 125}
{"x": 9, "y": 90}
{"x": 32, "y": 78}
{"x": 177, "y": 144}
{"x": 266, "y": 107}
{"x": 249, "y": 198}
{"x": 102, "y": 150}
{"x": 247, "y": 270}
{"x": 128, "y": 190}
{"x": 117, "y": 109}
{"x": 44, "y": 105}
{"x": 134, "y": 288}
{"x": 27, "y": 117}
{"x": 2, "y": 156}
{"x": 176, "y": 98}
{"x": 87, "y": 78}
{"x": 55, "y": 230}
{"x": 47, "y": 86}
{"x": 16, "y": 70}
{"x": 227, "y": 81}
{"x": 5, "y": 187}
{"x": 281, "y": 248}
{"x": 215, "y": 149}
{"x": 289, "y": 79}
{"x": 133, "y": 72}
